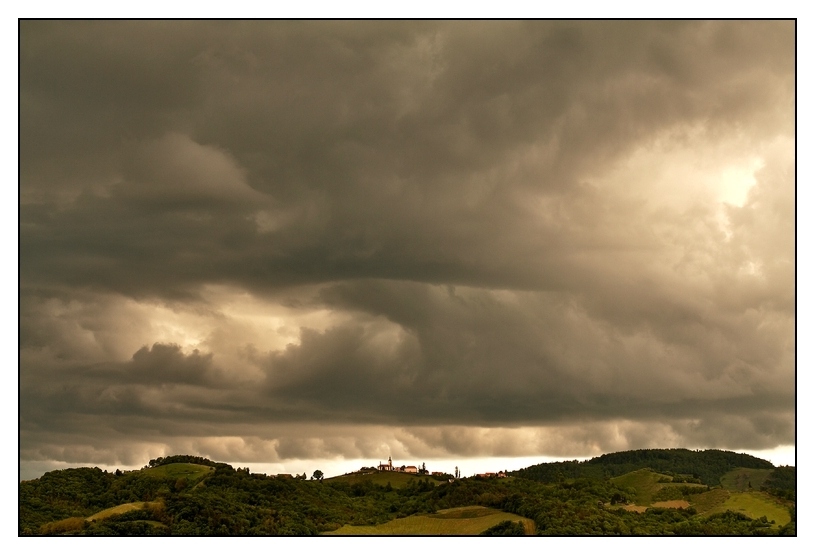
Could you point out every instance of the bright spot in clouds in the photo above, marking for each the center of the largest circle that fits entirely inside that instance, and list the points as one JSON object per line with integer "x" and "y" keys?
{"x": 737, "y": 181}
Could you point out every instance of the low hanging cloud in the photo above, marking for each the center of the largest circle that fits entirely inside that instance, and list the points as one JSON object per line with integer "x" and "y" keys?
{"x": 262, "y": 241}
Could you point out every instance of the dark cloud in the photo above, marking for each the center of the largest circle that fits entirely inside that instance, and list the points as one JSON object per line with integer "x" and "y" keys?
{"x": 230, "y": 230}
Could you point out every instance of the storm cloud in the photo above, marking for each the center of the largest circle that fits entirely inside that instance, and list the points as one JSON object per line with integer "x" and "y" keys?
{"x": 271, "y": 240}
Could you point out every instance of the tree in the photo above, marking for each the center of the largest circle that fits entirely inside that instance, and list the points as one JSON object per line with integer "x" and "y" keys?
{"x": 318, "y": 475}
{"x": 505, "y": 528}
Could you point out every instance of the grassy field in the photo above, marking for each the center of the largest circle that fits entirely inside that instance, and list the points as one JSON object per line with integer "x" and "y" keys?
{"x": 123, "y": 508}
{"x": 755, "y": 504}
{"x": 735, "y": 495}
{"x": 191, "y": 471}
{"x": 470, "y": 520}
{"x": 73, "y": 524}
{"x": 396, "y": 479}
{"x": 671, "y": 504}
{"x": 707, "y": 502}
{"x": 635, "y": 508}
{"x": 740, "y": 479}
{"x": 644, "y": 481}
{"x": 64, "y": 526}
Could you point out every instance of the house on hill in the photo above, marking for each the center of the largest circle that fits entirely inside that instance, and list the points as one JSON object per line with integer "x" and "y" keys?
{"x": 390, "y": 467}
{"x": 491, "y": 475}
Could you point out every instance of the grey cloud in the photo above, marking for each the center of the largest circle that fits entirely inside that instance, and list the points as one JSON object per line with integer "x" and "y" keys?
{"x": 519, "y": 359}
{"x": 387, "y": 204}
{"x": 176, "y": 171}
{"x": 158, "y": 383}
{"x": 167, "y": 364}
{"x": 444, "y": 192}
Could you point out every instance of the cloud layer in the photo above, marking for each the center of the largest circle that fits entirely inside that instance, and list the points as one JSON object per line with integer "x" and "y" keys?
{"x": 263, "y": 240}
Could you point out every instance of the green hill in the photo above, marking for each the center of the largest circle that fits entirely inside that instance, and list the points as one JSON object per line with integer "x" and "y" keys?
{"x": 189, "y": 495}
{"x": 756, "y": 505}
{"x": 703, "y": 466}
{"x": 642, "y": 483}
{"x": 396, "y": 479}
{"x": 123, "y": 509}
{"x": 191, "y": 472}
{"x": 647, "y": 489}
{"x": 743, "y": 479}
{"x": 782, "y": 483}
{"x": 470, "y": 520}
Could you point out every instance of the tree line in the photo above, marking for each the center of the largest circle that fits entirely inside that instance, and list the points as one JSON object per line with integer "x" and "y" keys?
{"x": 687, "y": 466}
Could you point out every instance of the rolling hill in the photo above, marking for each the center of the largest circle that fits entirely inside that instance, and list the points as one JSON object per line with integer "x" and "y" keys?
{"x": 469, "y": 520}
{"x": 686, "y": 493}
{"x": 397, "y": 480}
{"x": 703, "y": 466}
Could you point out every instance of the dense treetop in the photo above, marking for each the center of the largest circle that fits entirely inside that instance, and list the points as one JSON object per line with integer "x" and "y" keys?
{"x": 708, "y": 466}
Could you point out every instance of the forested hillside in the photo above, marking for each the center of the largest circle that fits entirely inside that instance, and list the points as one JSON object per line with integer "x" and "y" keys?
{"x": 702, "y": 466}
{"x": 782, "y": 482}
{"x": 195, "y": 496}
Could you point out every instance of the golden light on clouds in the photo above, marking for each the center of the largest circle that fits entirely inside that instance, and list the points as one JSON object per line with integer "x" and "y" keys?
{"x": 738, "y": 180}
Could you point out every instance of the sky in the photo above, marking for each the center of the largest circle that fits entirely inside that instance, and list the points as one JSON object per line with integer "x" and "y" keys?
{"x": 298, "y": 245}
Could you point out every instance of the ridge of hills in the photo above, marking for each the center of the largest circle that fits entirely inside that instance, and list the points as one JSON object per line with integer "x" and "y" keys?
{"x": 702, "y": 466}
{"x": 638, "y": 492}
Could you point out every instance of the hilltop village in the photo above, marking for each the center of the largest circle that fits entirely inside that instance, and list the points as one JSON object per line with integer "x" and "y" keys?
{"x": 389, "y": 466}
{"x": 423, "y": 470}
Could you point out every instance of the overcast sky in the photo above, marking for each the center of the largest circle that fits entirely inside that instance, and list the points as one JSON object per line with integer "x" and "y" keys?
{"x": 286, "y": 242}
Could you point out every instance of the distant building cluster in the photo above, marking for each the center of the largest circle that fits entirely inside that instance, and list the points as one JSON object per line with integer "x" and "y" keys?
{"x": 403, "y": 469}
{"x": 388, "y": 466}
{"x": 499, "y": 474}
